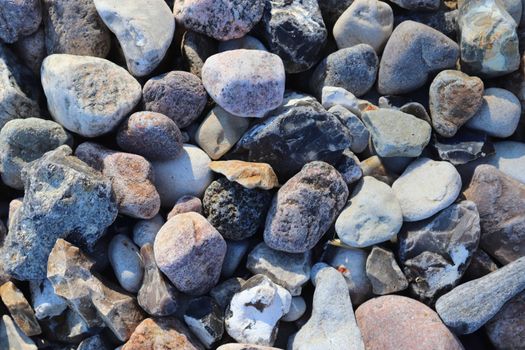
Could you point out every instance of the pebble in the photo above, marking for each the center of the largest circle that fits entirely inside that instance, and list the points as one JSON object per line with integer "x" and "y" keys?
{"x": 305, "y": 208}
{"x": 247, "y": 42}
{"x": 333, "y": 9}
{"x": 221, "y": 19}
{"x": 359, "y": 132}
{"x": 436, "y": 252}
{"x": 288, "y": 270}
{"x": 204, "y": 318}
{"x": 145, "y": 231}
{"x": 178, "y": 95}
{"x": 480, "y": 265}
{"x": 397, "y": 134}
{"x": 95, "y": 342}
{"x": 499, "y": 113}
{"x": 235, "y": 211}
{"x": 196, "y": 48}
{"x": 413, "y": 52}
{"x": 186, "y": 204}
{"x": 220, "y": 131}
{"x": 25, "y": 140}
{"x": 509, "y": 159}
{"x": 11, "y": 337}
{"x": 19, "y": 19}
{"x": 470, "y": 305}
{"x": 126, "y": 262}
{"x": 248, "y": 175}
{"x": 254, "y": 312}
{"x": 349, "y": 167}
{"x": 332, "y": 324}
{"x": 365, "y": 22}
{"x": 144, "y": 29}
{"x": 415, "y": 325}
{"x": 353, "y": 68}
{"x": 294, "y": 30}
{"x": 235, "y": 252}
{"x": 88, "y": 95}
{"x": 384, "y": 273}
{"x": 224, "y": 291}
{"x": 488, "y": 38}
{"x": 190, "y": 251}
{"x": 75, "y": 28}
{"x": 297, "y": 310}
{"x": 188, "y": 174}
{"x": 31, "y": 50}
{"x": 151, "y": 135}
{"x": 418, "y": 5}
{"x": 332, "y": 96}
{"x": 19, "y": 308}
{"x": 464, "y": 147}
{"x": 426, "y": 187}
{"x": 44, "y": 300}
{"x": 66, "y": 328}
{"x": 372, "y": 215}
{"x": 454, "y": 99}
{"x": 505, "y": 329}
{"x": 501, "y": 204}
{"x": 252, "y": 91}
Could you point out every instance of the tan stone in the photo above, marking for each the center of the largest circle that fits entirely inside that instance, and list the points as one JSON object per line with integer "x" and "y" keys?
{"x": 249, "y": 175}
{"x": 19, "y": 308}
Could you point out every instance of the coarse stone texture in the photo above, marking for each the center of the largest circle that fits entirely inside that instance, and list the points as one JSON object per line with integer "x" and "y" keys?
{"x": 359, "y": 132}
{"x": 156, "y": 296}
{"x": 488, "y": 38}
{"x": 365, "y": 22}
{"x": 186, "y": 204}
{"x": 19, "y": 308}
{"x": 470, "y": 305}
{"x": 219, "y": 19}
{"x": 190, "y": 251}
{"x": 196, "y": 48}
{"x": 499, "y": 113}
{"x": 480, "y": 265}
{"x": 220, "y": 131}
{"x": 384, "y": 273}
{"x": 44, "y": 300}
{"x": 297, "y": 309}
{"x": 397, "y": 134}
{"x": 224, "y": 292}
{"x": 131, "y": 177}
{"x": 235, "y": 211}
{"x": 372, "y": 215}
{"x": 464, "y": 147}
{"x": 414, "y": 51}
{"x": 19, "y": 91}
{"x": 144, "y": 29}
{"x": 188, "y": 174}
{"x": 151, "y": 135}
{"x": 57, "y": 185}
{"x": 436, "y": 252}
{"x": 304, "y": 208}
{"x": 294, "y": 30}
{"x": 25, "y": 140}
{"x": 509, "y": 159}
{"x": 162, "y": 333}
{"x": 204, "y": 318}
{"x": 246, "y": 174}
{"x": 178, "y": 95}
{"x": 353, "y": 68}
{"x": 254, "y": 312}
{"x": 298, "y": 132}
{"x": 144, "y": 231}
{"x": 75, "y": 28}
{"x": 418, "y": 5}
{"x": 247, "y": 42}
{"x": 454, "y": 98}
{"x": 501, "y": 204}
{"x": 126, "y": 262}
{"x": 349, "y": 167}
{"x": 11, "y": 337}
{"x": 505, "y": 329}
{"x": 19, "y": 18}
{"x": 88, "y": 95}
{"x": 235, "y": 252}
{"x": 426, "y": 187}
{"x": 31, "y": 50}
{"x": 415, "y": 325}
{"x": 246, "y": 83}
{"x": 332, "y": 324}
{"x": 288, "y": 270}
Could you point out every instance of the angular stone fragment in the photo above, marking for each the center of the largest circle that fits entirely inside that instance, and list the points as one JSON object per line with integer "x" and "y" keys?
{"x": 466, "y": 146}
{"x": 68, "y": 327}
{"x": 384, "y": 273}
{"x": 359, "y": 132}
{"x": 505, "y": 329}
{"x": 350, "y": 167}
{"x": 45, "y": 302}
{"x": 19, "y": 308}
{"x": 19, "y": 18}
{"x": 12, "y": 338}
{"x": 224, "y": 292}
{"x": 205, "y": 319}
{"x": 249, "y": 175}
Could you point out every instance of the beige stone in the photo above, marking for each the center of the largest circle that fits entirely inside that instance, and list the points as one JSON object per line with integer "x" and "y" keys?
{"x": 249, "y": 175}
{"x": 19, "y": 308}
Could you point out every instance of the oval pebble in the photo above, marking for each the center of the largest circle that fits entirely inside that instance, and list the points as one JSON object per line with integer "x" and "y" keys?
{"x": 125, "y": 259}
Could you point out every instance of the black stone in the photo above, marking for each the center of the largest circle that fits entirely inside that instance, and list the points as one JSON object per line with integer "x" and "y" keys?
{"x": 205, "y": 318}
{"x": 466, "y": 146}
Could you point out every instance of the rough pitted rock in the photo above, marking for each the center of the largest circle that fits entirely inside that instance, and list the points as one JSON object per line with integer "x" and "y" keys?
{"x": 204, "y": 318}
{"x": 144, "y": 29}
{"x": 413, "y": 52}
{"x": 190, "y": 251}
{"x": 12, "y": 337}
{"x": 45, "y": 302}
{"x": 186, "y": 204}
{"x": 19, "y": 18}
{"x": 25, "y": 140}
{"x": 501, "y": 204}
{"x": 126, "y": 262}
{"x": 249, "y": 175}
{"x": 246, "y": 83}
{"x": 196, "y": 48}
{"x": 57, "y": 185}
{"x": 88, "y": 95}
{"x": 219, "y": 19}
{"x": 454, "y": 98}
{"x": 235, "y": 211}
{"x": 384, "y": 273}
{"x": 359, "y": 132}
{"x": 304, "y": 208}
{"x": 295, "y": 31}
{"x": 19, "y": 308}
{"x": 505, "y": 329}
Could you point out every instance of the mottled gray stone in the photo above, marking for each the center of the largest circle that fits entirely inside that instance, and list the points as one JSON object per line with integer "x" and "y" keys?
{"x": 384, "y": 273}
{"x": 359, "y": 132}
{"x": 19, "y": 18}
{"x": 505, "y": 329}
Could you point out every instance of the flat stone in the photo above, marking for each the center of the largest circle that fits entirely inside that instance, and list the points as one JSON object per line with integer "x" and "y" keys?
{"x": 464, "y": 147}
{"x": 469, "y": 306}
{"x": 19, "y": 308}
{"x": 224, "y": 292}
{"x": 372, "y": 215}
{"x": 12, "y": 338}
{"x": 205, "y": 319}
{"x": 196, "y": 48}
{"x": 500, "y": 202}
{"x": 88, "y": 95}
{"x": 190, "y": 251}
{"x": 145, "y": 231}
{"x": 350, "y": 167}
{"x": 509, "y": 158}
{"x": 44, "y": 299}
{"x": 426, "y": 187}
{"x": 31, "y": 50}
{"x": 19, "y": 19}
{"x": 144, "y": 29}
{"x": 480, "y": 265}
{"x": 413, "y": 52}
{"x": 249, "y": 175}
{"x": 305, "y": 208}
{"x": 454, "y": 98}
{"x": 332, "y": 324}
{"x": 384, "y": 273}
{"x": 186, "y": 204}
{"x": 235, "y": 252}
{"x": 397, "y": 134}
{"x": 505, "y": 329}
{"x": 359, "y": 132}
{"x": 252, "y": 91}
{"x": 126, "y": 262}
{"x": 415, "y": 325}
{"x": 297, "y": 309}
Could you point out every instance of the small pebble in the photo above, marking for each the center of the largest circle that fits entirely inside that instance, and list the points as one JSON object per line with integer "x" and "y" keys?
{"x": 145, "y": 231}
{"x": 235, "y": 252}
{"x": 384, "y": 273}
{"x": 350, "y": 167}
{"x": 186, "y": 204}
{"x": 249, "y": 175}
{"x": 127, "y": 265}
{"x": 196, "y": 48}
{"x": 359, "y": 132}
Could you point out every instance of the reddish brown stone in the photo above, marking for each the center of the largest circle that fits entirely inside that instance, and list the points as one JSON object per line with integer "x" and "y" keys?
{"x": 506, "y": 330}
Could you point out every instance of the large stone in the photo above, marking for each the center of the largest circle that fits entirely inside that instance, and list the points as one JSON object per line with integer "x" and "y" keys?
{"x": 12, "y": 338}
{"x": 19, "y": 308}
{"x": 19, "y": 18}
{"x": 505, "y": 329}
{"x": 248, "y": 175}
{"x": 88, "y": 95}
{"x": 384, "y": 273}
